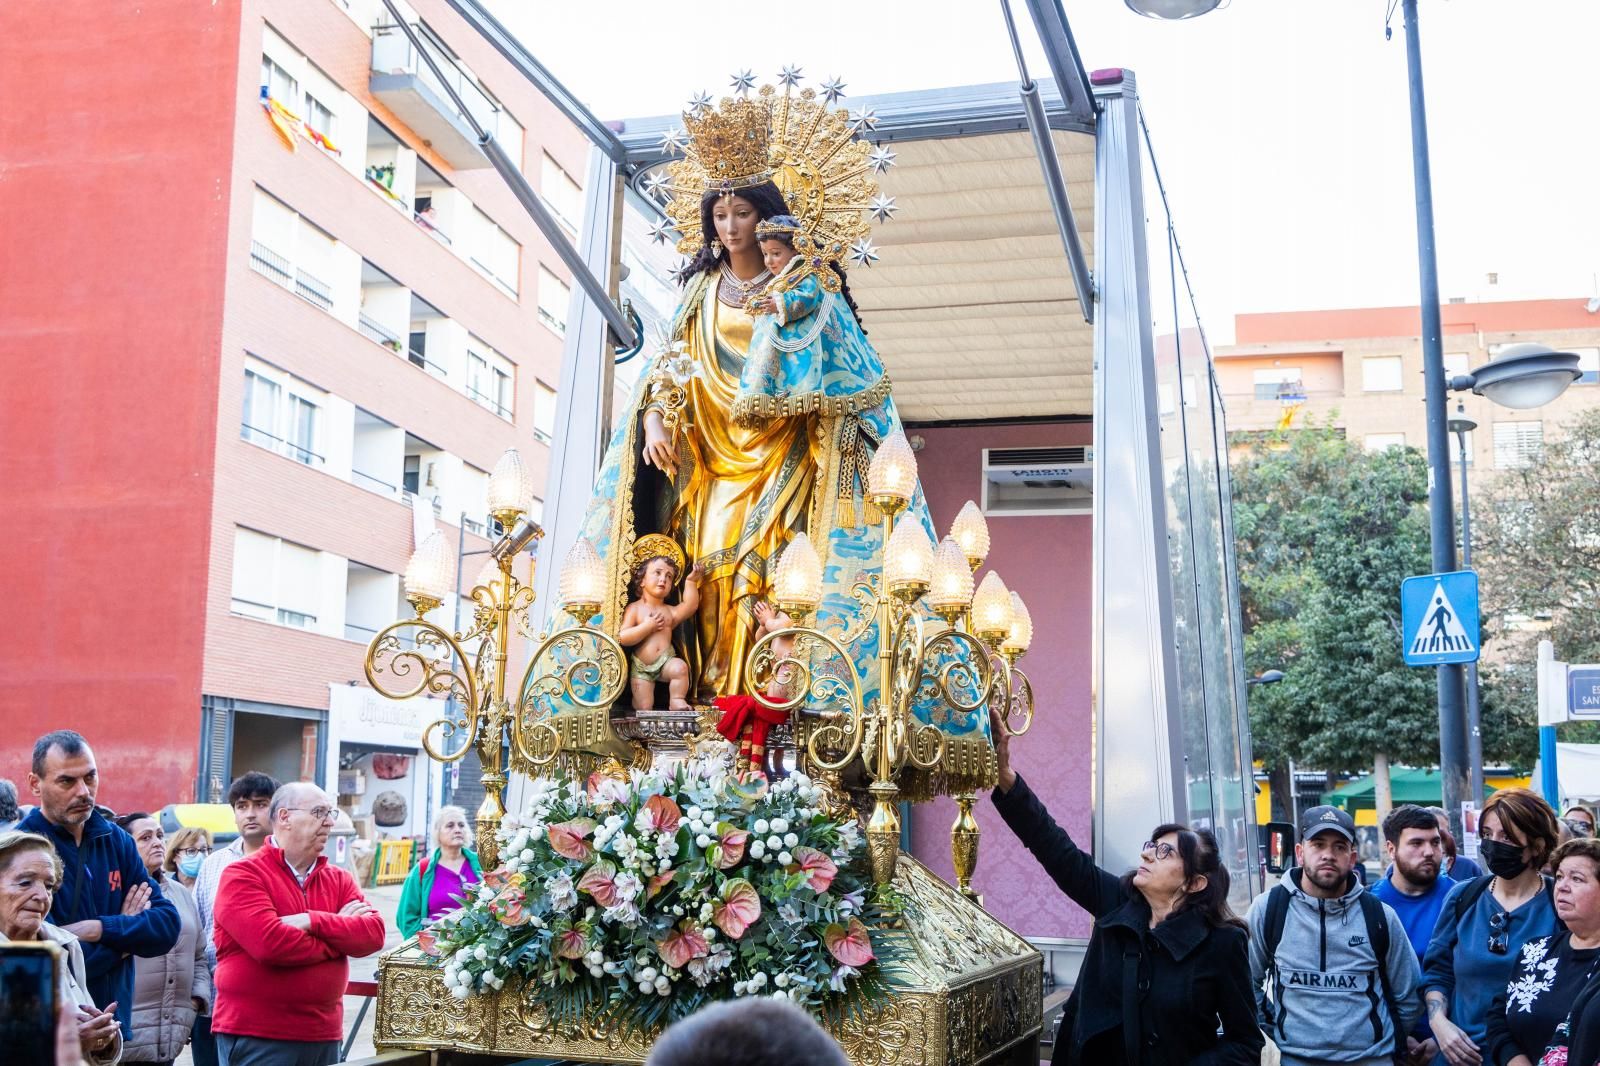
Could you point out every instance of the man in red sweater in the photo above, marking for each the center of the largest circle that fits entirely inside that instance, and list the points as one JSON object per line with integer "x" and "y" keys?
{"x": 286, "y": 924}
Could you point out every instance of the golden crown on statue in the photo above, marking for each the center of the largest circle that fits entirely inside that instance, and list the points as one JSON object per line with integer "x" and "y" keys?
{"x": 730, "y": 143}
{"x": 815, "y": 153}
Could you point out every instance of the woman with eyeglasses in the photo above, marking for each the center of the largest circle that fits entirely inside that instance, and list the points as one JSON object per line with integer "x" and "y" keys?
{"x": 1549, "y": 1012}
{"x": 1166, "y": 976}
{"x": 171, "y": 990}
{"x": 186, "y": 853}
{"x": 1484, "y": 924}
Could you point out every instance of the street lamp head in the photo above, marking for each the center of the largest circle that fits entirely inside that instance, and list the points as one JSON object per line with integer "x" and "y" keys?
{"x": 1523, "y": 376}
{"x": 1173, "y": 9}
{"x": 1266, "y": 677}
{"x": 1461, "y": 423}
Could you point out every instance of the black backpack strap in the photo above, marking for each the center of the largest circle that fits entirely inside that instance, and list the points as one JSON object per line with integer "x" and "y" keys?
{"x": 1378, "y": 937}
{"x": 1477, "y": 887}
{"x": 1272, "y": 932}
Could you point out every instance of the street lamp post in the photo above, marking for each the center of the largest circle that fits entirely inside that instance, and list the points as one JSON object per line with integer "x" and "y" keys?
{"x": 1272, "y": 677}
{"x": 1461, "y": 425}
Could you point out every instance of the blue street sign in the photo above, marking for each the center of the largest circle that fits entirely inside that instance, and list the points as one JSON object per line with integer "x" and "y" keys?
{"x": 1439, "y": 618}
{"x": 1583, "y": 691}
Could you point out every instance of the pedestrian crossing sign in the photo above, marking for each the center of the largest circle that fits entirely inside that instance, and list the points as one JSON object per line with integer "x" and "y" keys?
{"x": 1439, "y": 618}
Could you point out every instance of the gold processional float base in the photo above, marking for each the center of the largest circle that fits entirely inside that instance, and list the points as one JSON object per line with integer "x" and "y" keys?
{"x": 970, "y": 990}
{"x": 972, "y": 995}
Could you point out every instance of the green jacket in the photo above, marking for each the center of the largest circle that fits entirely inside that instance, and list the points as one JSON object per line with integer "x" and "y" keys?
{"x": 413, "y": 913}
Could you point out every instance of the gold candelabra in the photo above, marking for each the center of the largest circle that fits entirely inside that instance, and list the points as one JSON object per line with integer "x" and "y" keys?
{"x": 809, "y": 671}
{"x": 416, "y": 656}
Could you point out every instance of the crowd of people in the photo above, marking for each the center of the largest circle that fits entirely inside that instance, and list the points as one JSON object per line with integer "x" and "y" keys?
{"x": 241, "y": 952}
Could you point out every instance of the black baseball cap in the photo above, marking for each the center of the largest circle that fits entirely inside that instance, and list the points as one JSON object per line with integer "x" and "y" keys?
{"x": 1318, "y": 819}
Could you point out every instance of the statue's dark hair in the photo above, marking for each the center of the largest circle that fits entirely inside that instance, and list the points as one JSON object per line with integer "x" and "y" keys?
{"x": 747, "y": 1032}
{"x": 765, "y": 198}
{"x": 634, "y": 591}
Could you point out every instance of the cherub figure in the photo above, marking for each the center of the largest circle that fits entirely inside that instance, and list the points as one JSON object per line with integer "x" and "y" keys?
{"x": 649, "y": 620}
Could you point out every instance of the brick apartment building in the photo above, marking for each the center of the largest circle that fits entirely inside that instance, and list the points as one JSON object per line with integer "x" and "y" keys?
{"x": 1362, "y": 367}
{"x": 267, "y": 340}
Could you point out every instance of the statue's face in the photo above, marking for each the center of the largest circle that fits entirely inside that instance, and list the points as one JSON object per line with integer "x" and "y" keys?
{"x": 658, "y": 579}
{"x": 735, "y": 219}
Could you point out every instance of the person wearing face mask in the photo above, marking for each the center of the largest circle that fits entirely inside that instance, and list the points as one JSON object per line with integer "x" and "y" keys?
{"x": 171, "y": 990}
{"x": 186, "y": 853}
{"x": 1485, "y": 923}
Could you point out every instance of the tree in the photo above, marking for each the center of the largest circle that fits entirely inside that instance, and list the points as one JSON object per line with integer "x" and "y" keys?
{"x": 1536, "y": 543}
{"x": 1326, "y": 532}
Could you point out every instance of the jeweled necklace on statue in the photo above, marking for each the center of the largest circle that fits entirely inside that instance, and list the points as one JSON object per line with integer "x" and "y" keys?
{"x": 734, "y": 292}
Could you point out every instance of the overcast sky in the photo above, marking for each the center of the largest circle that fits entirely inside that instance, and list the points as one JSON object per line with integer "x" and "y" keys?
{"x": 1281, "y": 126}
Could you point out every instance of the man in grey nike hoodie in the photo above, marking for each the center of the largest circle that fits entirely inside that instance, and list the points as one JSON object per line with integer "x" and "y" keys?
{"x": 1323, "y": 1001}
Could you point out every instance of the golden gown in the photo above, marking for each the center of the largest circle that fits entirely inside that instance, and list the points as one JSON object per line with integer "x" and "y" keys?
{"x": 747, "y": 489}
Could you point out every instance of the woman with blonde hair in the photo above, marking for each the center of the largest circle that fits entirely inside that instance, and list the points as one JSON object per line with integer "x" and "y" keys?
{"x": 186, "y": 853}
{"x": 437, "y": 884}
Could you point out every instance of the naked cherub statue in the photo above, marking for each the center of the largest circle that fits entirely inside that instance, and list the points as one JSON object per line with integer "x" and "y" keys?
{"x": 649, "y": 620}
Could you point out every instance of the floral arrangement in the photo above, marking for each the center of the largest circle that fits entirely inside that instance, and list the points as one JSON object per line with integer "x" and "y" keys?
{"x": 645, "y": 898}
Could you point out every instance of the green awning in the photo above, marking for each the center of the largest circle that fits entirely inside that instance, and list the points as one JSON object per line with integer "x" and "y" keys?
{"x": 1422, "y": 787}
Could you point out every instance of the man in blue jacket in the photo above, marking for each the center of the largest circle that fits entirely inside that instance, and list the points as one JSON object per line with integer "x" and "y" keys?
{"x": 106, "y": 898}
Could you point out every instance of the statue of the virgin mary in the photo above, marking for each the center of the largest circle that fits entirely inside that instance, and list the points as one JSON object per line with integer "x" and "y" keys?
{"x": 733, "y": 492}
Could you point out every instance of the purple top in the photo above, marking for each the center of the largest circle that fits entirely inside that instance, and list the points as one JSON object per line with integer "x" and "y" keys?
{"x": 447, "y": 888}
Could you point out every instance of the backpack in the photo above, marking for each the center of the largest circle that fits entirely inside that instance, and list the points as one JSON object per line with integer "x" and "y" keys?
{"x": 1479, "y": 885}
{"x": 1377, "y": 935}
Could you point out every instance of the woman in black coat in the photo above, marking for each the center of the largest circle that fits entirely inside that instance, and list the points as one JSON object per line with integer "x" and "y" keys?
{"x": 1166, "y": 978}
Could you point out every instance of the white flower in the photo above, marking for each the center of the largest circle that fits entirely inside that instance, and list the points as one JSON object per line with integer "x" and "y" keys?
{"x": 782, "y": 980}
{"x": 626, "y": 846}
{"x": 702, "y": 841}
{"x": 757, "y": 850}
{"x": 666, "y": 846}
{"x": 460, "y": 992}
{"x": 774, "y": 843}
{"x": 526, "y": 855}
{"x": 626, "y": 913}
{"x": 662, "y": 984}
{"x": 594, "y": 958}
{"x": 837, "y": 978}
{"x": 761, "y": 826}
{"x": 479, "y": 953}
{"x": 628, "y": 886}
{"x": 563, "y": 894}
{"x": 784, "y": 858}
{"x": 780, "y": 994}
{"x": 693, "y": 812}
{"x": 780, "y": 825}
{"x": 790, "y": 840}
{"x": 464, "y": 954}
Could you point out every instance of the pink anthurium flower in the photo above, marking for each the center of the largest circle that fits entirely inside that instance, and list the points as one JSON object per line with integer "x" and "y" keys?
{"x": 730, "y": 845}
{"x": 849, "y": 944}
{"x": 682, "y": 944}
{"x": 818, "y": 868}
{"x": 427, "y": 943}
{"x": 497, "y": 878}
{"x": 508, "y": 907}
{"x": 658, "y": 815}
{"x": 739, "y": 910}
{"x": 600, "y": 881}
{"x": 569, "y": 943}
{"x": 567, "y": 838}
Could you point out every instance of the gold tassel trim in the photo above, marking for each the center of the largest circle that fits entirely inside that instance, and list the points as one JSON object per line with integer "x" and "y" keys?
{"x": 752, "y": 411}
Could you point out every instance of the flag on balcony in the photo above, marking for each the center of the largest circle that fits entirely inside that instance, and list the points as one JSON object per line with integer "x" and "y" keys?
{"x": 316, "y": 136}
{"x": 1287, "y": 418}
{"x": 283, "y": 120}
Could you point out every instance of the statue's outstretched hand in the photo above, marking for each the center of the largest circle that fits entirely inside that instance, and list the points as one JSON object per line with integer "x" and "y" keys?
{"x": 658, "y": 451}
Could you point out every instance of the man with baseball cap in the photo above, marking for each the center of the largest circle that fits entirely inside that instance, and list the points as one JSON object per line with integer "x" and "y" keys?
{"x": 1336, "y": 979}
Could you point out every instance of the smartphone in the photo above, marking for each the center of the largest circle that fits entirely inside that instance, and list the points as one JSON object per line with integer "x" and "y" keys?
{"x": 30, "y": 983}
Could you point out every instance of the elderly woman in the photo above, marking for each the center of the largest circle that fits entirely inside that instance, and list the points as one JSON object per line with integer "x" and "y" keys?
{"x": 30, "y": 872}
{"x": 437, "y": 884}
{"x": 186, "y": 853}
{"x": 170, "y": 990}
{"x": 1485, "y": 924}
{"x": 1550, "y": 1010}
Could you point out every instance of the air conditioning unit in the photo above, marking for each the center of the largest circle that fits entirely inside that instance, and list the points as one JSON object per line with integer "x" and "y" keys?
{"x": 1038, "y": 481}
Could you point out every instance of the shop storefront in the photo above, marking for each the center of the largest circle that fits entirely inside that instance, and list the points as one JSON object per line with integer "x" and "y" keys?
{"x": 376, "y": 765}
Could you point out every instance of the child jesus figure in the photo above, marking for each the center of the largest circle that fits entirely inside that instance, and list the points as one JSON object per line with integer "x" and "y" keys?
{"x": 649, "y": 620}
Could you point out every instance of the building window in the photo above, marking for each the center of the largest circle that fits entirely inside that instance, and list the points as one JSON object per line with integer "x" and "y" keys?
{"x": 1456, "y": 364}
{"x": 275, "y": 580}
{"x": 544, "y": 412}
{"x": 554, "y": 298}
{"x": 319, "y": 117}
{"x": 280, "y": 85}
{"x": 1516, "y": 444}
{"x": 282, "y": 414}
{"x": 493, "y": 251}
{"x": 1279, "y": 383}
{"x": 562, "y": 195}
{"x": 1380, "y": 373}
{"x": 490, "y": 380}
{"x": 1377, "y": 442}
{"x": 1588, "y": 365}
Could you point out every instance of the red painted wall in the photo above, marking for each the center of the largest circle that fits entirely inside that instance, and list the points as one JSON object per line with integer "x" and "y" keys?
{"x": 1047, "y": 559}
{"x": 117, "y": 147}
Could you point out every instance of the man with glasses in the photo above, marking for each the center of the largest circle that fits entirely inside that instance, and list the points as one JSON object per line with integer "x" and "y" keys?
{"x": 287, "y": 923}
{"x": 1336, "y": 979}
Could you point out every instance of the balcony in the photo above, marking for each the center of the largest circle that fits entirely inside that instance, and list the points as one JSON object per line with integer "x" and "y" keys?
{"x": 299, "y": 453}
{"x": 270, "y": 264}
{"x": 409, "y": 88}
{"x": 313, "y": 290}
{"x": 374, "y": 330}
